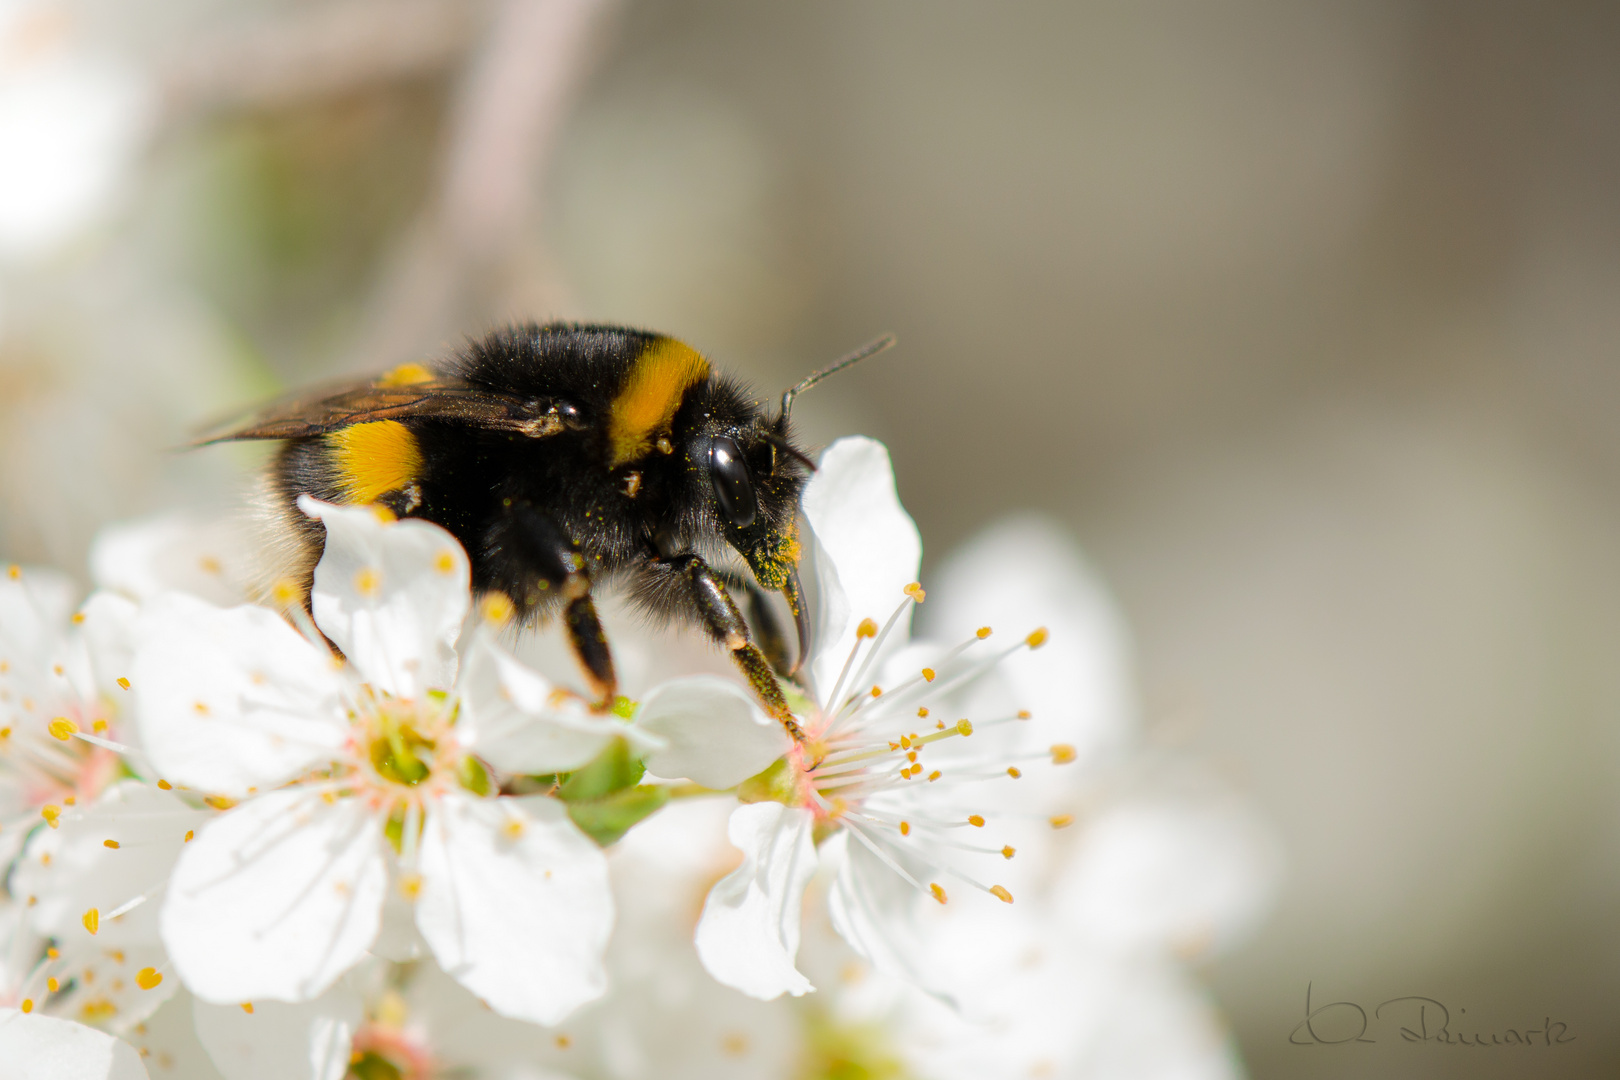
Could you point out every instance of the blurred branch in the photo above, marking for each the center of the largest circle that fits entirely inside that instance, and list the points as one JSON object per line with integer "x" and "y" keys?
{"x": 318, "y": 52}
{"x": 472, "y": 258}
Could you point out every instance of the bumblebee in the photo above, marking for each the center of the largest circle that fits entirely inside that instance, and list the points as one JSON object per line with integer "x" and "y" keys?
{"x": 561, "y": 457}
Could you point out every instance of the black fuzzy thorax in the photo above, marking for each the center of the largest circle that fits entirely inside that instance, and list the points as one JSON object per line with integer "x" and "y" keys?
{"x": 471, "y": 476}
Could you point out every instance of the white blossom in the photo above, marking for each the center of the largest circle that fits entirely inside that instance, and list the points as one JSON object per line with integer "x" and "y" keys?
{"x": 361, "y": 780}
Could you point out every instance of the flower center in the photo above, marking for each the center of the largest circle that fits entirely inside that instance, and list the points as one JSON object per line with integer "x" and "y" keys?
{"x": 407, "y": 740}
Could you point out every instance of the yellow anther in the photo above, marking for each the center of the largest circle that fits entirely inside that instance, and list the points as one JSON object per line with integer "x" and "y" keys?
{"x": 982, "y": 633}
{"x": 113, "y": 844}
{"x": 219, "y": 802}
{"x": 940, "y": 725}
{"x": 329, "y": 798}
{"x": 929, "y": 675}
{"x": 1023, "y": 714}
{"x": 54, "y": 953}
{"x": 939, "y": 893}
{"x": 497, "y": 608}
{"x": 189, "y": 834}
{"x": 247, "y": 1007}
{"x": 1008, "y": 852}
{"x": 52, "y": 984}
{"x": 200, "y": 708}
{"x": 923, "y": 712}
{"x": 410, "y": 886}
{"x": 893, "y": 745}
{"x": 905, "y": 741}
{"x": 1014, "y": 772}
{"x": 148, "y": 978}
{"x": 285, "y": 592}
{"x": 57, "y": 670}
{"x": 915, "y": 591}
{"x": 28, "y": 1003}
{"x": 1000, "y": 893}
{"x": 911, "y": 755}
{"x": 209, "y": 565}
{"x": 70, "y": 800}
{"x": 976, "y": 821}
{"x": 123, "y": 683}
{"x": 935, "y": 775}
{"x": 382, "y": 513}
{"x": 964, "y": 727}
{"x": 513, "y": 827}
{"x": 905, "y": 828}
{"x": 367, "y": 581}
{"x": 877, "y": 691}
{"x": 99, "y": 726}
{"x": 1063, "y": 753}
{"x": 92, "y": 920}
{"x": 164, "y": 785}
{"x": 5, "y": 733}
{"x": 14, "y": 571}
{"x": 44, "y": 858}
{"x": 1037, "y": 638}
{"x": 446, "y": 562}
{"x": 1062, "y": 821}
{"x": 63, "y": 728}
{"x": 50, "y": 813}
{"x": 78, "y": 618}
{"x": 868, "y": 628}
{"x": 563, "y": 1042}
{"x": 117, "y": 955}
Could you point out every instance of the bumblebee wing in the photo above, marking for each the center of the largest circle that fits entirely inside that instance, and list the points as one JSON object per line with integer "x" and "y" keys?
{"x": 342, "y": 405}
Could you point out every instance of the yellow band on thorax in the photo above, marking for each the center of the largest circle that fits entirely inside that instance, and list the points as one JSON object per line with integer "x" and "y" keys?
{"x": 653, "y": 389}
{"x": 374, "y": 459}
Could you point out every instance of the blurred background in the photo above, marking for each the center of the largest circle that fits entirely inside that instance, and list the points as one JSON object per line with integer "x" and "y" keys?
{"x": 1305, "y": 319}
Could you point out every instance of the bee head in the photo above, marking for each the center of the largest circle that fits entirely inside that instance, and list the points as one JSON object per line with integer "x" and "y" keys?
{"x": 755, "y": 476}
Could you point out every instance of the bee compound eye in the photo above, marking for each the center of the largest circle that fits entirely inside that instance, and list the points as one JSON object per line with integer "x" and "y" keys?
{"x": 733, "y": 486}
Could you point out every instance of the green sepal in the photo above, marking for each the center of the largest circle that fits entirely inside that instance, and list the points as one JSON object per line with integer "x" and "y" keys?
{"x": 610, "y": 771}
{"x": 777, "y": 782}
{"x": 472, "y": 775}
{"x": 607, "y": 819}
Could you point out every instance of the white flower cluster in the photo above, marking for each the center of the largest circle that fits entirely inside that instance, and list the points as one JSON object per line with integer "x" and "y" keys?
{"x": 231, "y": 851}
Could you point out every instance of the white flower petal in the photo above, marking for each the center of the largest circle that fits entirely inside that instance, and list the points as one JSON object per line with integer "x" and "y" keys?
{"x": 276, "y": 898}
{"x": 713, "y": 730}
{"x": 277, "y": 1041}
{"x": 1171, "y": 874}
{"x": 34, "y": 610}
{"x": 749, "y": 933}
{"x": 232, "y": 698}
{"x": 70, "y": 869}
{"x": 874, "y": 909}
{"x": 515, "y": 904}
{"x": 867, "y": 549}
{"x": 109, "y": 634}
{"x": 38, "y": 1047}
{"x": 509, "y": 719}
{"x": 174, "y": 552}
{"x": 391, "y": 596}
{"x": 1079, "y": 683}
{"x": 105, "y": 985}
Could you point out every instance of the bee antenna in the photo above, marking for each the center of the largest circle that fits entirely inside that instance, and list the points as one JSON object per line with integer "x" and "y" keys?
{"x": 871, "y": 348}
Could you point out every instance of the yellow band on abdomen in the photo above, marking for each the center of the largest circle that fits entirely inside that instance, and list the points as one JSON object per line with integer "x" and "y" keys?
{"x": 374, "y": 459}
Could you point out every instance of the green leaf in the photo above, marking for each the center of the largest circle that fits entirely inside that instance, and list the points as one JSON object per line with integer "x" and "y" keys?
{"x": 607, "y": 819}
{"x": 611, "y": 770}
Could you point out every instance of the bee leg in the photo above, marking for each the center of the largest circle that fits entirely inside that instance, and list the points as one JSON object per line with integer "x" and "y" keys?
{"x": 762, "y": 617}
{"x": 556, "y": 560}
{"x": 726, "y": 625}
